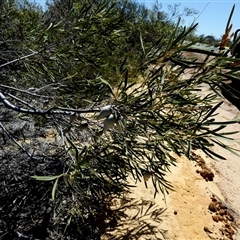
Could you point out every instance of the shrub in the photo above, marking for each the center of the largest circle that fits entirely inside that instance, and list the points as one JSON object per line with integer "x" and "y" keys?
{"x": 98, "y": 96}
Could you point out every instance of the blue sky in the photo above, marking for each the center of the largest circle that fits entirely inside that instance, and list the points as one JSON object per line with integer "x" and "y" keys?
{"x": 213, "y": 19}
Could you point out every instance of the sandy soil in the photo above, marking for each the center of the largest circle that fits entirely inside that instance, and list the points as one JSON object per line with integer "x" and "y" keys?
{"x": 196, "y": 209}
{"x": 184, "y": 215}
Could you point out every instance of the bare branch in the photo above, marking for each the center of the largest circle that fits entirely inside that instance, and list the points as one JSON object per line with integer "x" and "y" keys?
{"x": 51, "y": 111}
{"x": 14, "y": 140}
{"x": 18, "y": 59}
{"x": 24, "y": 91}
{"x": 20, "y": 100}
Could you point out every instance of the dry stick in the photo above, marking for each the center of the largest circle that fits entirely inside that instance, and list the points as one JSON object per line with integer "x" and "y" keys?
{"x": 24, "y": 91}
{"x": 20, "y": 100}
{"x": 18, "y": 59}
{"x": 13, "y": 139}
{"x": 51, "y": 111}
{"x": 20, "y": 235}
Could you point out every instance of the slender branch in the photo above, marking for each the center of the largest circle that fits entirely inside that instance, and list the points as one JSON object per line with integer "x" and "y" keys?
{"x": 24, "y": 91}
{"x": 50, "y": 111}
{"x": 18, "y": 59}
{"x": 13, "y": 139}
{"x": 20, "y": 100}
{"x": 90, "y": 110}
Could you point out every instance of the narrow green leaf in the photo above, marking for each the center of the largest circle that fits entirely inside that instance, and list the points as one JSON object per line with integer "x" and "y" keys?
{"x": 54, "y": 189}
{"x": 163, "y": 78}
{"x": 230, "y": 149}
{"x": 225, "y": 123}
{"x": 65, "y": 179}
{"x": 122, "y": 65}
{"x": 210, "y": 153}
{"x": 46, "y": 178}
{"x": 68, "y": 223}
{"x": 155, "y": 45}
{"x": 211, "y": 111}
{"x": 189, "y": 149}
{"x": 229, "y": 133}
{"x": 188, "y": 45}
{"x": 202, "y": 51}
{"x": 230, "y": 17}
{"x": 183, "y": 64}
{"x": 50, "y": 26}
{"x": 126, "y": 80}
{"x": 184, "y": 33}
{"x": 108, "y": 84}
{"x": 172, "y": 36}
{"x": 230, "y": 77}
{"x": 221, "y": 136}
{"x": 156, "y": 73}
{"x": 142, "y": 45}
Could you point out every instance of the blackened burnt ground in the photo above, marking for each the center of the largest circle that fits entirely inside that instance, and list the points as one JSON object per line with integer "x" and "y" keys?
{"x": 27, "y": 210}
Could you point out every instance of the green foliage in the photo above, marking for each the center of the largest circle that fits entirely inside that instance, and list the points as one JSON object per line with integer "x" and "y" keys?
{"x": 108, "y": 76}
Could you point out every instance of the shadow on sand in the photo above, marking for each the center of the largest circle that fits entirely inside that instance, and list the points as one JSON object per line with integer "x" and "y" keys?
{"x": 128, "y": 219}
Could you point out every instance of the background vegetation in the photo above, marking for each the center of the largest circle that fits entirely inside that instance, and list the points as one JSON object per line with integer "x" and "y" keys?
{"x": 92, "y": 93}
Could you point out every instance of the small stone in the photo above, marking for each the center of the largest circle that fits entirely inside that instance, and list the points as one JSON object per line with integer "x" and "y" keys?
{"x": 212, "y": 207}
{"x": 220, "y": 218}
{"x": 206, "y": 229}
{"x": 215, "y": 218}
{"x": 222, "y": 212}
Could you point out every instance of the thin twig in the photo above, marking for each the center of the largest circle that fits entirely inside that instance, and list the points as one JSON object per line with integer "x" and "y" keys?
{"x": 18, "y": 59}
{"x": 20, "y": 100}
{"x": 24, "y": 91}
{"x": 51, "y": 111}
{"x": 13, "y": 139}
